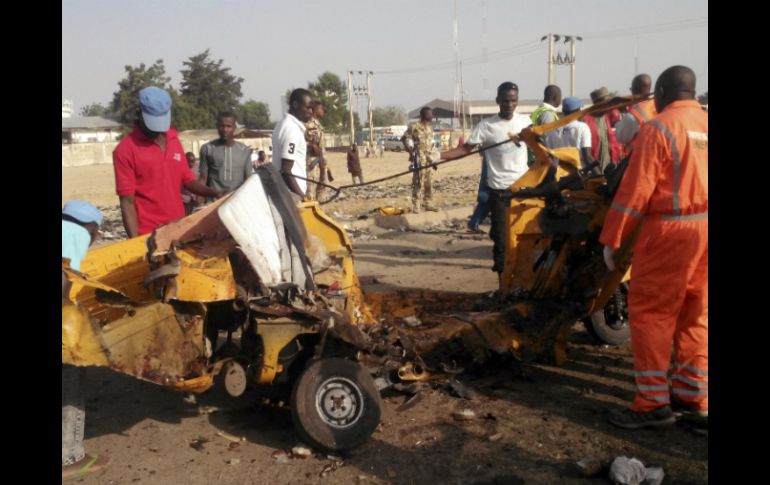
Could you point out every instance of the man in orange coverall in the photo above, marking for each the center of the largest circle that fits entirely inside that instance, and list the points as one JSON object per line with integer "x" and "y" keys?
{"x": 665, "y": 188}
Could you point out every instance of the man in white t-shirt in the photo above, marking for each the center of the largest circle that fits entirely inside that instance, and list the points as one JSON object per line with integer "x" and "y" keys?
{"x": 574, "y": 134}
{"x": 289, "y": 145}
{"x": 505, "y": 163}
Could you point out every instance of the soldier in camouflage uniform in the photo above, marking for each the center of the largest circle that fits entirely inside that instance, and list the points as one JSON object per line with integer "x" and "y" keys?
{"x": 314, "y": 135}
{"x": 420, "y": 135}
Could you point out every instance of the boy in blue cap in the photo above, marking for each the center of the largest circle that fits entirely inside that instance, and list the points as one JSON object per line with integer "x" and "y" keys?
{"x": 80, "y": 223}
{"x": 574, "y": 134}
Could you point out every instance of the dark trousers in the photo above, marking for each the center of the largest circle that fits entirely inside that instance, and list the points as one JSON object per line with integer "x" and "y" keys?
{"x": 499, "y": 231}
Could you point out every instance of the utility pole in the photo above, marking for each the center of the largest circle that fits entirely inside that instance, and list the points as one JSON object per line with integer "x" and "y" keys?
{"x": 369, "y": 75}
{"x": 462, "y": 99}
{"x": 550, "y": 59}
{"x": 572, "y": 66}
{"x": 485, "y": 67}
{"x": 636, "y": 57}
{"x": 558, "y": 60}
{"x": 359, "y": 89}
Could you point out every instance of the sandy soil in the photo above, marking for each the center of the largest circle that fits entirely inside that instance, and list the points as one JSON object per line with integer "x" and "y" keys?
{"x": 96, "y": 183}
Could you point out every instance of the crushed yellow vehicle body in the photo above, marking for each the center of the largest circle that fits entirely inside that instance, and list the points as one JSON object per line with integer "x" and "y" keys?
{"x": 155, "y": 332}
{"x": 253, "y": 268}
{"x": 554, "y": 273}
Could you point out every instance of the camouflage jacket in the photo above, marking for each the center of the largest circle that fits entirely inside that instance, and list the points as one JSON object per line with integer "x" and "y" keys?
{"x": 314, "y": 133}
{"x": 422, "y": 136}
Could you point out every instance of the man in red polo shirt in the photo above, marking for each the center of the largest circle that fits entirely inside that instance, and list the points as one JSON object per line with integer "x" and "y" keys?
{"x": 151, "y": 168}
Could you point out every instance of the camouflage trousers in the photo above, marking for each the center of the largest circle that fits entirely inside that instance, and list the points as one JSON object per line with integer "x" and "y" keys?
{"x": 422, "y": 187}
{"x": 318, "y": 173}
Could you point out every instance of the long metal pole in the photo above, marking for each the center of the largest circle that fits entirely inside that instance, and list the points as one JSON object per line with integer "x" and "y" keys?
{"x": 369, "y": 75}
{"x": 572, "y": 68}
{"x": 550, "y": 59}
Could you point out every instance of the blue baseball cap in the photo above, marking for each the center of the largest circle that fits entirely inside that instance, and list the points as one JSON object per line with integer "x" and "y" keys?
{"x": 571, "y": 104}
{"x": 83, "y": 211}
{"x": 156, "y": 108}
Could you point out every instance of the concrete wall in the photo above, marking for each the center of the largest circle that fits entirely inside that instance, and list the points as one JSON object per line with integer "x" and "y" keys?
{"x": 94, "y": 136}
{"x": 79, "y": 154}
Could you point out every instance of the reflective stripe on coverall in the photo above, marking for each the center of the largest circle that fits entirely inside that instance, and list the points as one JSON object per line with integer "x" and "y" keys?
{"x": 666, "y": 189}
{"x": 642, "y": 112}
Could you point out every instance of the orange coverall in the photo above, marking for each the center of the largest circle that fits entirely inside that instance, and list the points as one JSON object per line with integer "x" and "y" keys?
{"x": 665, "y": 188}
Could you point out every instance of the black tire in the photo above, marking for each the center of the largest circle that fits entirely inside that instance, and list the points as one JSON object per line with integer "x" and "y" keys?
{"x": 611, "y": 324}
{"x": 335, "y": 404}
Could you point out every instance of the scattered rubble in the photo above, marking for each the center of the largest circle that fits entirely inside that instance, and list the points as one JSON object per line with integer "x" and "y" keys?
{"x": 631, "y": 471}
{"x": 280, "y": 456}
{"x": 591, "y": 465}
{"x": 197, "y": 443}
{"x": 112, "y": 225}
{"x": 464, "y": 415}
{"x": 229, "y": 437}
{"x": 301, "y": 452}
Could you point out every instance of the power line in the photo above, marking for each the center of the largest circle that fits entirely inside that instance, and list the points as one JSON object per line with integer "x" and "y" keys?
{"x": 528, "y": 47}
{"x": 491, "y": 55}
{"x": 649, "y": 29}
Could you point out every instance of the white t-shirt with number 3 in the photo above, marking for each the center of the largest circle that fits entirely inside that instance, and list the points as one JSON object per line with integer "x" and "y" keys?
{"x": 507, "y": 162}
{"x": 289, "y": 143}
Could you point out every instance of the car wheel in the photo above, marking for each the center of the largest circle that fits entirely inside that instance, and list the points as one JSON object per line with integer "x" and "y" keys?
{"x": 611, "y": 324}
{"x": 335, "y": 404}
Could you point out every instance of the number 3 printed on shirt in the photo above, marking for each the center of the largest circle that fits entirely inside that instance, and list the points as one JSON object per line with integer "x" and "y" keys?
{"x": 291, "y": 147}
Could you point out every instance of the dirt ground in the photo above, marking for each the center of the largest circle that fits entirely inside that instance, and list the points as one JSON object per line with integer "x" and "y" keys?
{"x": 532, "y": 421}
{"x": 96, "y": 183}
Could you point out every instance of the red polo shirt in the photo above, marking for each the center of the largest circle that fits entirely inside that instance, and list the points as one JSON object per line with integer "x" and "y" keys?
{"x": 154, "y": 178}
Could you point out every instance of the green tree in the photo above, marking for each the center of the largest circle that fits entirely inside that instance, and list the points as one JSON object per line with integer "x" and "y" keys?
{"x": 186, "y": 115}
{"x": 333, "y": 94}
{"x": 208, "y": 85}
{"x": 255, "y": 115}
{"x": 388, "y": 115}
{"x": 125, "y": 101}
{"x": 94, "y": 109}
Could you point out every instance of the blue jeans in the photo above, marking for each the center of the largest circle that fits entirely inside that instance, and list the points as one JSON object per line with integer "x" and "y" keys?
{"x": 73, "y": 415}
{"x": 482, "y": 209}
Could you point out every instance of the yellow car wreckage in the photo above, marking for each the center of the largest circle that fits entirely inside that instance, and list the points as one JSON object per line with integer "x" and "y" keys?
{"x": 277, "y": 282}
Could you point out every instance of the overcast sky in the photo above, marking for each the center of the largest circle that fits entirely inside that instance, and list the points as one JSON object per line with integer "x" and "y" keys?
{"x": 276, "y": 45}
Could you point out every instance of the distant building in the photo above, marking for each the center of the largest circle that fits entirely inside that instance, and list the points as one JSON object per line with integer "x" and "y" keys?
{"x": 474, "y": 111}
{"x": 66, "y": 108}
{"x": 84, "y": 129}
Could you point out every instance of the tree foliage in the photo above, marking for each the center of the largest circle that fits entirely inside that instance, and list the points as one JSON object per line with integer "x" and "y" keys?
{"x": 125, "y": 101}
{"x": 209, "y": 86}
{"x": 254, "y": 115}
{"x": 186, "y": 115}
{"x": 94, "y": 109}
{"x": 332, "y": 93}
{"x": 388, "y": 115}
